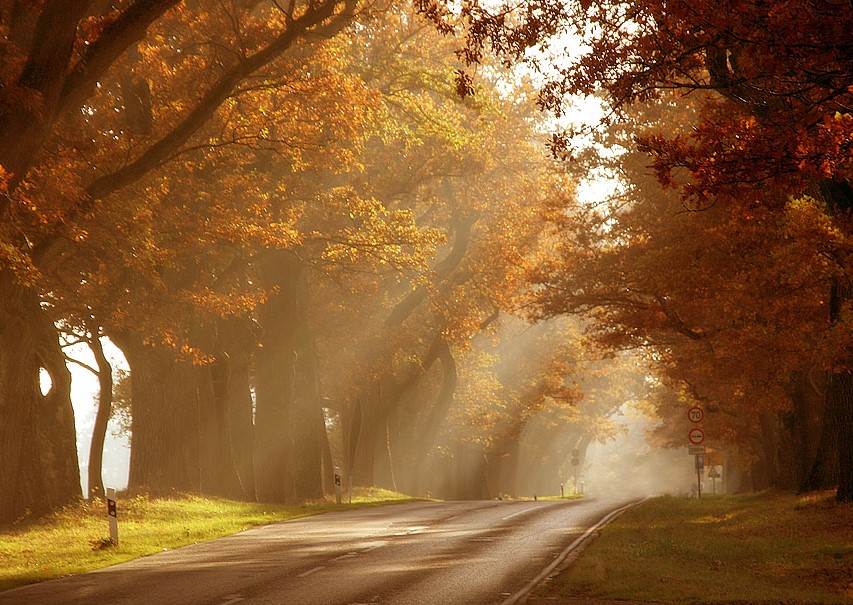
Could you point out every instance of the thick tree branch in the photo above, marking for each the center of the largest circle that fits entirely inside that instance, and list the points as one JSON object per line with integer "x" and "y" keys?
{"x": 23, "y": 127}
{"x": 129, "y": 28}
{"x": 160, "y": 151}
{"x": 327, "y": 19}
{"x": 461, "y": 240}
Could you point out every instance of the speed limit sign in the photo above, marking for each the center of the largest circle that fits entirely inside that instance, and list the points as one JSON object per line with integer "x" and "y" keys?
{"x": 695, "y": 414}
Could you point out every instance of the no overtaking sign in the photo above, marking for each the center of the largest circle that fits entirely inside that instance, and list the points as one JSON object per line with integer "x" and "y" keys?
{"x": 696, "y": 436}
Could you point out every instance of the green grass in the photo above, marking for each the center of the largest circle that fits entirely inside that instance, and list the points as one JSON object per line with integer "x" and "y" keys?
{"x": 76, "y": 539}
{"x": 566, "y": 497}
{"x": 760, "y": 548}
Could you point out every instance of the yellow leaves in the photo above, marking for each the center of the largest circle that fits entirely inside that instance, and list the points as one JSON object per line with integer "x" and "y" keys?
{"x": 807, "y": 218}
{"x": 225, "y": 304}
{"x": 372, "y": 234}
{"x": 254, "y": 229}
{"x": 19, "y": 263}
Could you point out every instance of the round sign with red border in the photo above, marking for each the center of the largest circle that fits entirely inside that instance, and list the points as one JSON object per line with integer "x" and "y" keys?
{"x": 695, "y": 414}
{"x": 696, "y": 436}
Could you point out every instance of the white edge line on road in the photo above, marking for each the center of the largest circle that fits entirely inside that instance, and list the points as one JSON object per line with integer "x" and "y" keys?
{"x": 310, "y": 571}
{"x": 232, "y": 601}
{"x": 521, "y": 594}
{"x": 521, "y": 512}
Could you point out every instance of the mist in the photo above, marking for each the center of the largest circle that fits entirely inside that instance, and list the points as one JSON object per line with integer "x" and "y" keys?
{"x": 629, "y": 466}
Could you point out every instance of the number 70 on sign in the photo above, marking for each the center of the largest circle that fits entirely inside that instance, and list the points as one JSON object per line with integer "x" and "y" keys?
{"x": 695, "y": 414}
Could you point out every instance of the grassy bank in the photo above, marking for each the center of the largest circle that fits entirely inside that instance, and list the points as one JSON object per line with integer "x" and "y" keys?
{"x": 76, "y": 539}
{"x": 760, "y": 548}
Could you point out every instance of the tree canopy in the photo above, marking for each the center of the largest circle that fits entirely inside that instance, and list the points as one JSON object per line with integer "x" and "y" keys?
{"x": 313, "y": 227}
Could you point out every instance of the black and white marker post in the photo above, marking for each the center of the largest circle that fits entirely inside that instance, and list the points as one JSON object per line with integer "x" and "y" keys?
{"x": 112, "y": 514}
{"x": 337, "y": 485}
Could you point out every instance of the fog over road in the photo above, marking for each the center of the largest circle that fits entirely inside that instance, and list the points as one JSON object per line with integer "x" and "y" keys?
{"x": 441, "y": 553}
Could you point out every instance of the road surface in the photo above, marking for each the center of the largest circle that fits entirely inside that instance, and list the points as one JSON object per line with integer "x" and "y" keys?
{"x": 425, "y": 553}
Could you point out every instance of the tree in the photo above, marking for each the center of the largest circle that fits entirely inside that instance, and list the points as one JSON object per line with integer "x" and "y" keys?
{"x": 778, "y": 125}
{"x": 465, "y": 169}
{"x": 734, "y": 323}
{"x": 54, "y": 57}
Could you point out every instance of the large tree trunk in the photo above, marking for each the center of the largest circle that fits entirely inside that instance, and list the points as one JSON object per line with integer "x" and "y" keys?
{"x": 430, "y": 427}
{"x": 371, "y": 430}
{"x": 309, "y": 424}
{"x": 238, "y": 344}
{"x": 842, "y": 416}
{"x": 802, "y": 425}
{"x": 218, "y": 475}
{"x": 771, "y": 449}
{"x": 289, "y": 416}
{"x": 164, "y": 421}
{"x": 824, "y": 472}
{"x": 364, "y": 448}
{"x": 501, "y": 467}
{"x": 38, "y": 451}
{"x": 834, "y": 461}
{"x": 181, "y": 435}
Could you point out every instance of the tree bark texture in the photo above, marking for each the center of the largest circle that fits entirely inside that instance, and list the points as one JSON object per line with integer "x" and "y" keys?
{"x": 825, "y": 471}
{"x": 187, "y": 406}
{"x": 164, "y": 424}
{"x": 180, "y": 427}
{"x": 39, "y": 468}
{"x": 238, "y": 344}
{"x": 364, "y": 452}
{"x": 502, "y": 467}
{"x": 289, "y": 417}
{"x": 218, "y": 474}
{"x": 833, "y": 464}
{"x": 802, "y": 427}
{"x": 841, "y": 415}
{"x": 430, "y": 427}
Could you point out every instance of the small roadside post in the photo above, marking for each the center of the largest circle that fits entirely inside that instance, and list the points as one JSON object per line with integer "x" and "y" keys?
{"x": 700, "y": 466}
{"x": 112, "y": 514}
{"x": 337, "y": 485}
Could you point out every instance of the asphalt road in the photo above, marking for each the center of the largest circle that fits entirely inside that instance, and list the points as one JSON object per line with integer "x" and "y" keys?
{"x": 442, "y": 553}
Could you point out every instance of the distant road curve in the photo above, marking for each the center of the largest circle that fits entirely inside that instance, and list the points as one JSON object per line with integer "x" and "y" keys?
{"x": 425, "y": 553}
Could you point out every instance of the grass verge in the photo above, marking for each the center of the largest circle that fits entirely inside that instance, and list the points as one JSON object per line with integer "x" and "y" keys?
{"x": 759, "y": 548}
{"x": 76, "y": 539}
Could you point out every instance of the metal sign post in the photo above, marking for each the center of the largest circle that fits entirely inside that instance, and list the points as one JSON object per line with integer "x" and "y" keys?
{"x": 700, "y": 466}
{"x": 696, "y": 437}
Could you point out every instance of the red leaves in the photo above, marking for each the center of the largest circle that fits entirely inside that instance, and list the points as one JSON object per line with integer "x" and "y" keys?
{"x": 464, "y": 84}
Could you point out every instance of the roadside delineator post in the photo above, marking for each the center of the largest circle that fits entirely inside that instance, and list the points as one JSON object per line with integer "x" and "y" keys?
{"x": 112, "y": 514}
{"x": 337, "y": 485}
